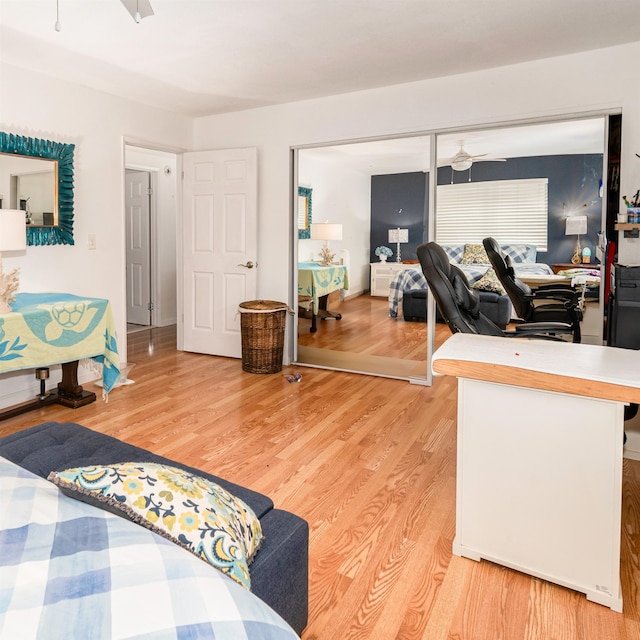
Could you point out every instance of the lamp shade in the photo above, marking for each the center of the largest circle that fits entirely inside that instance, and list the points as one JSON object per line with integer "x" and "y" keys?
{"x": 326, "y": 231}
{"x": 398, "y": 235}
{"x": 13, "y": 232}
{"x": 576, "y": 226}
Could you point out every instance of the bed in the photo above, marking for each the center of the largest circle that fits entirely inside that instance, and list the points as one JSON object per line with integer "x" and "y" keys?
{"x": 472, "y": 260}
{"x": 70, "y": 568}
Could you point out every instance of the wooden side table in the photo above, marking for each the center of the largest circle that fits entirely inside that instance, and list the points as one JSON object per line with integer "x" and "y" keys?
{"x": 561, "y": 266}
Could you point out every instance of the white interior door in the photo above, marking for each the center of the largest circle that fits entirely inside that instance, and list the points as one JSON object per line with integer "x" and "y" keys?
{"x": 219, "y": 247}
{"x": 137, "y": 185}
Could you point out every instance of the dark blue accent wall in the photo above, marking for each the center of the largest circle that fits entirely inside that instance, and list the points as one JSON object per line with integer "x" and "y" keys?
{"x": 399, "y": 200}
{"x": 574, "y": 186}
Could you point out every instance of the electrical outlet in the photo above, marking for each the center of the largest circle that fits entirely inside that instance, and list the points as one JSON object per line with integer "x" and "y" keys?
{"x": 91, "y": 241}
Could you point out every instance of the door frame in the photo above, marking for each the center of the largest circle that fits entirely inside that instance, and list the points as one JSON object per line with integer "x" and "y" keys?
{"x": 435, "y": 134}
{"x": 133, "y": 144}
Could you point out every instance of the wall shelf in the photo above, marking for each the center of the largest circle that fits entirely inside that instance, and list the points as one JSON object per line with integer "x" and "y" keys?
{"x": 627, "y": 226}
{"x": 629, "y": 229}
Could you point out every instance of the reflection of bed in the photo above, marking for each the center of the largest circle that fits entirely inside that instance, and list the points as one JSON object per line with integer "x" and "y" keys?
{"x": 412, "y": 280}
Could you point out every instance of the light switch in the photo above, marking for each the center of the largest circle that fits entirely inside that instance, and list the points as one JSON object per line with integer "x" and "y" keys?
{"x": 91, "y": 241}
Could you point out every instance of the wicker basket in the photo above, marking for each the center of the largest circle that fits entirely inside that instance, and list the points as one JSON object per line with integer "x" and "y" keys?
{"x": 262, "y": 323}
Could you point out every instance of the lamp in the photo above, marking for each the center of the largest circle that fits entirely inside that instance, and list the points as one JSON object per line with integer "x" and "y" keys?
{"x": 398, "y": 235}
{"x": 13, "y": 237}
{"x": 576, "y": 226}
{"x": 326, "y": 231}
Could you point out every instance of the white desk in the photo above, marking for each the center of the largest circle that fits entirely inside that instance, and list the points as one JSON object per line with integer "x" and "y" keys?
{"x": 540, "y": 447}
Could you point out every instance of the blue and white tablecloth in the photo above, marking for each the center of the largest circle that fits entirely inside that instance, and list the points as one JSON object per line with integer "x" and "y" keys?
{"x": 44, "y": 329}
{"x": 317, "y": 280}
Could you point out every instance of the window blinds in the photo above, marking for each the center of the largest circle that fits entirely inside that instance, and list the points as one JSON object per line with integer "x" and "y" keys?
{"x": 511, "y": 211}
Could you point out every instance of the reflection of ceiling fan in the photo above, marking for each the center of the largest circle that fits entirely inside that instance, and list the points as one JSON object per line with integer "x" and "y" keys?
{"x": 463, "y": 160}
{"x": 138, "y": 8}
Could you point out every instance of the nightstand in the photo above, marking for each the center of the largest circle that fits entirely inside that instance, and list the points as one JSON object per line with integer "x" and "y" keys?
{"x": 382, "y": 273}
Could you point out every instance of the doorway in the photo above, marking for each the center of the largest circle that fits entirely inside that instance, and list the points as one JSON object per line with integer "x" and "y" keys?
{"x": 161, "y": 167}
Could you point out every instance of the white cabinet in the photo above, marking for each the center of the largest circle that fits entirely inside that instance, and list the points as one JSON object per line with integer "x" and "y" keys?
{"x": 542, "y": 493}
{"x": 382, "y": 273}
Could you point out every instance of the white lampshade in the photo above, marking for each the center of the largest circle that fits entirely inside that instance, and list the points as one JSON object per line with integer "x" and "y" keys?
{"x": 326, "y": 231}
{"x": 398, "y": 235}
{"x": 13, "y": 232}
{"x": 576, "y": 226}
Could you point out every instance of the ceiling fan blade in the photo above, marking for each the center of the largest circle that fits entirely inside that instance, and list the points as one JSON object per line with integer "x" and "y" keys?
{"x": 143, "y": 7}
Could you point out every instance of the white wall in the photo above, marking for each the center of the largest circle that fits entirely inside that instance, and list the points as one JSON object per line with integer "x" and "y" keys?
{"x": 163, "y": 167}
{"x": 343, "y": 196}
{"x": 97, "y": 123}
{"x": 567, "y": 85}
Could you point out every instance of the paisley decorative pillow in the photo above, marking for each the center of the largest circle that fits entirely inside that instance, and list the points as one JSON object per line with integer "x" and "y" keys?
{"x": 193, "y": 512}
{"x": 489, "y": 282}
{"x": 474, "y": 254}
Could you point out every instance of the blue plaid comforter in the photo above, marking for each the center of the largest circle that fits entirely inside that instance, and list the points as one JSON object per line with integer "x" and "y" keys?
{"x": 413, "y": 278}
{"x": 71, "y": 570}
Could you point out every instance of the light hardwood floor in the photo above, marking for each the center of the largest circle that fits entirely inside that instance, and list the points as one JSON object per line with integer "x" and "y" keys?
{"x": 370, "y": 464}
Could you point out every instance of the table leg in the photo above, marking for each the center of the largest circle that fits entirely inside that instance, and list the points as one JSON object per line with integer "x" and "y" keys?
{"x": 323, "y": 309}
{"x": 70, "y": 393}
{"x": 323, "y": 313}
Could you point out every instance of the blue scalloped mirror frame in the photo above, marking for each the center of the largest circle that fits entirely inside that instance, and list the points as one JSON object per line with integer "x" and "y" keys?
{"x": 306, "y": 193}
{"x": 62, "y": 233}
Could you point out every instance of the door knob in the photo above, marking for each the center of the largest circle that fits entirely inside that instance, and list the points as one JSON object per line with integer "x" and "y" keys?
{"x": 248, "y": 265}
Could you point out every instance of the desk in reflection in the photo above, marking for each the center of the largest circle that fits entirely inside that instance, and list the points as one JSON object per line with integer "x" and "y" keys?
{"x": 315, "y": 283}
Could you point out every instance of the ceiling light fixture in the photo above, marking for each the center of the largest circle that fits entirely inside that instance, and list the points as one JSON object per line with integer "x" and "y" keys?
{"x": 58, "y": 26}
{"x": 138, "y": 9}
{"x": 462, "y": 164}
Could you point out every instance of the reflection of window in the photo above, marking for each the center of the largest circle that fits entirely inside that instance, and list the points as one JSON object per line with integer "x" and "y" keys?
{"x": 303, "y": 212}
{"x": 509, "y": 210}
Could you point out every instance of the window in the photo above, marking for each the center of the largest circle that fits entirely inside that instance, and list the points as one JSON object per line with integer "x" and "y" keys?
{"x": 512, "y": 211}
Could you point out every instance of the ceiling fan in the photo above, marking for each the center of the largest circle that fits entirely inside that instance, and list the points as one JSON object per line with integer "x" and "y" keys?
{"x": 463, "y": 160}
{"x": 138, "y": 8}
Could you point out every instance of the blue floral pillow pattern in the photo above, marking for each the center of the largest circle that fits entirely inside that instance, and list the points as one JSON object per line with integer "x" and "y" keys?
{"x": 193, "y": 512}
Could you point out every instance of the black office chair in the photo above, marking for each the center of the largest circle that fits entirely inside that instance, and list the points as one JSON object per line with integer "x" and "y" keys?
{"x": 548, "y": 303}
{"x": 459, "y": 305}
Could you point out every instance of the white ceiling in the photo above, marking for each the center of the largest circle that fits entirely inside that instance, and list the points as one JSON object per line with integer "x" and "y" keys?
{"x": 400, "y": 155}
{"x": 202, "y": 57}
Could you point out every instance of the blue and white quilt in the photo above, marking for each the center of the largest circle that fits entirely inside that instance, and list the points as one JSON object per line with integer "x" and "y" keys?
{"x": 71, "y": 570}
